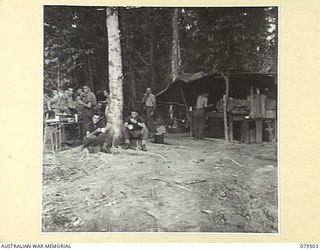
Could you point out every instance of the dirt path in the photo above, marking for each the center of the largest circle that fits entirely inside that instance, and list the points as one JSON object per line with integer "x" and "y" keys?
{"x": 200, "y": 186}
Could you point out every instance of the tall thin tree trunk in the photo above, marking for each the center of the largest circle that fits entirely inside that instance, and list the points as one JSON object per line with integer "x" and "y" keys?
{"x": 115, "y": 73}
{"x": 204, "y": 24}
{"x": 90, "y": 73}
{"x": 151, "y": 44}
{"x": 58, "y": 76}
{"x": 175, "y": 53}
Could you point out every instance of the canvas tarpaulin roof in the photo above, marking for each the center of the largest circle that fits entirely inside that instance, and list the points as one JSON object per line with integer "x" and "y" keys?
{"x": 192, "y": 85}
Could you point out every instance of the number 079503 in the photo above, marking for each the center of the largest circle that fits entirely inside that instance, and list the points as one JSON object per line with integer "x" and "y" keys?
{"x": 309, "y": 246}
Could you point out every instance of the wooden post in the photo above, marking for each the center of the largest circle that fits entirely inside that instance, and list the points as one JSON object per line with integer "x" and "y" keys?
{"x": 185, "y": 103}
{"x": 183, "y": 97}
{"x": 225, "y": 105}
{"x": 250, "y": 99}
{"x": 187, "y": 111}
{"x": 258, "y": 130}
{"x": 230, "y": 129}
{"x": 242, "y": 136}
{"x": 191, "y": 127}
{"x": 53, "y": 149}
{"x": 246, "y": 131}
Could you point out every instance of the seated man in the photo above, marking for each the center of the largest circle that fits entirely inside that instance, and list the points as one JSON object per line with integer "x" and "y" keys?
{"x": 135, "y": 128}
{"x": 99, "y": 109}
{"x": 97, "y": 135}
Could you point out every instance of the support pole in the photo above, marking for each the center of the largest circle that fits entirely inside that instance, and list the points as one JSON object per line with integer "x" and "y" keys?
{"x": 259, "y": 131}
{"x": 225, "y": 105}
{"x": 231, "y": 129}
{"x": 183, "y": 97}
{"x": 187, "y": 110}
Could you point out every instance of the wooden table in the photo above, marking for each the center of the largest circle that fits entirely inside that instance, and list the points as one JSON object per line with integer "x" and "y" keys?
{"x": 245, "y": 132}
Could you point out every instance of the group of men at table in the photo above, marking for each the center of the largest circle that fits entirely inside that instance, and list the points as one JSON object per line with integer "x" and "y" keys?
{"x": 93, "y": 116}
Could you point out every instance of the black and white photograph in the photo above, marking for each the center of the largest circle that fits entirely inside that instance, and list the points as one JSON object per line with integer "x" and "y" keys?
{"x": 160, "y": 119}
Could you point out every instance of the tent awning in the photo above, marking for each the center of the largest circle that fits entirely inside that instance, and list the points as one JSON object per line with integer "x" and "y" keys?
{"x": 193, "y": 85}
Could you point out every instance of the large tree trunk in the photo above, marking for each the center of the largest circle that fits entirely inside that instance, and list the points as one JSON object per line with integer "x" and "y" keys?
{"x": 175, "y": 53}
{"x": 114, "y": 114}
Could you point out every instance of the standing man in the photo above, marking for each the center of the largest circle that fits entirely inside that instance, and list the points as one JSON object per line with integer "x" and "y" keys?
{"x": 88, "y": 103}
{"x": 135, "y": 128}
{"x": 58, "y": 103}
{"x": 78, "y": 106}
{"x": 199, "y": 116}
{"x": 70, "y": 102}
{"x": 149, "y": 101}
{"x": 54, "y": 102}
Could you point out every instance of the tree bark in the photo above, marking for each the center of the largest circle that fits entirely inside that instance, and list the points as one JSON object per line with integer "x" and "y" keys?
{"x": 175, "y": 53}
{"x": 131, "y": 70}
{"x": 114, "y": 114}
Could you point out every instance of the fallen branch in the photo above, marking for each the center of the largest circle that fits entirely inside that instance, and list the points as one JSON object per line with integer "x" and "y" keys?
{"x": 235, "y": 162}
{"x": 176, "y": 184}
{"x": 207, "y": 211}
{"x": 152, "y": 215}
{"x": 182, "y": 187}
{"x": 195, "y": 181}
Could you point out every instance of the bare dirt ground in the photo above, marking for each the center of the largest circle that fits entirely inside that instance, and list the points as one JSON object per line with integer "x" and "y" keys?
{"x": 197, "y": 186}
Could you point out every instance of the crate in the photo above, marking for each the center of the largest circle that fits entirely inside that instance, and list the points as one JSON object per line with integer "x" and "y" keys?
{"x": 159, "y": 138}
{"x": 271, "y": 114}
